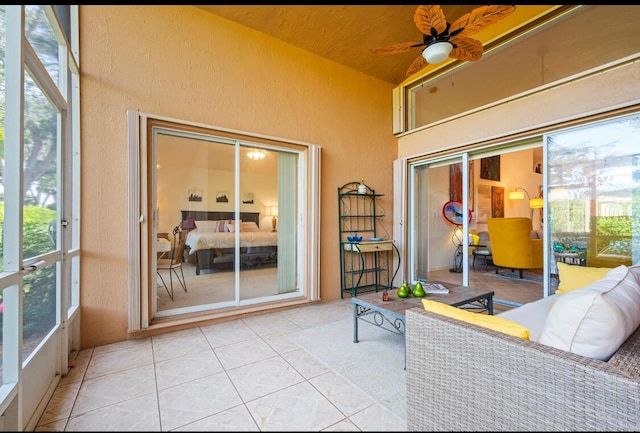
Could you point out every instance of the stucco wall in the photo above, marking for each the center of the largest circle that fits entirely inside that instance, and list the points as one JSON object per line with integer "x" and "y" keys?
{"x": 181, "y": 62}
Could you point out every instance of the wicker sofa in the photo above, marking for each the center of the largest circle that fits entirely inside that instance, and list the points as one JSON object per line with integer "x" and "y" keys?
{"x": 461, "y": 377}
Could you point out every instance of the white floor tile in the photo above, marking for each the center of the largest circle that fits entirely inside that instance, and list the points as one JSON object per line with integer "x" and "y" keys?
{"x": 223, "y": 334}
{"x": 296, "y": 408}
{"x": 263, "y": 377}
{"x": 109, "y": 362}
{"x": 168, "y": 348}
{"x": 342, "y": 425}
{"x": 113, "y": 388}
{"x": 138, "y": 414}
{"x": 61, "y": 403}
{"x": 342, "y": 393}
{"x": 196, "y": 400}
{"x": 186, "y": 368}
{"x": 243, "y": 353}
{"x": 281, "y": 342}
{"x": 270, "y": 323}
{"x": 234, "y": 419}
{"x": 378, "y": 418}
{"x": 307, "y": 365}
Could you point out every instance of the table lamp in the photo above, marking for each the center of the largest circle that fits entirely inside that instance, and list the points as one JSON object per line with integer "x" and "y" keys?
{"x": 273, "y": 212}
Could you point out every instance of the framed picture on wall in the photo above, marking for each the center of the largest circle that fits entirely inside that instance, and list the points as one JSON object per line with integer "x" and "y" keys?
{"x": 195, "y": 195}
{"x": 247, "y": 198}
{"x": 497, "y": 202}
{"x": 222, "y": 197}
{"x": 490, "y": 168}
{"x": 455, "y": 183}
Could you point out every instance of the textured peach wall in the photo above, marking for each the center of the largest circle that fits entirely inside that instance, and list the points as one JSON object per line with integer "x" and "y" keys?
{"x": 181, "y": 62}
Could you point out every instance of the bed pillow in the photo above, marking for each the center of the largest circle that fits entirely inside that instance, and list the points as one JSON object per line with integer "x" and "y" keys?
{"x": 595, "y": 320}
{"x": 494, "y": 323}
{"x": 248, "y": 226}
{"x": 207, "y": 226}
{"x": 574, "y": 277}
{"x": 211, "y": 226}
{"x": 231, "y": 225}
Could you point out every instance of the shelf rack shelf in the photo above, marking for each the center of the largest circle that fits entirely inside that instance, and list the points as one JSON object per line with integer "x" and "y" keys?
{"x": 365, "y": 266}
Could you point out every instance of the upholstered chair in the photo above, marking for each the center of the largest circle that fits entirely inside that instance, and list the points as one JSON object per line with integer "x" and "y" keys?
{"x": 512, "y": 246}
{"x": 483, "y": 251}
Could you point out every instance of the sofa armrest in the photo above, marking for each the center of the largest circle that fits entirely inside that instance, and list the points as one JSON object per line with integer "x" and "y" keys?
{"x": 464, "y": 377}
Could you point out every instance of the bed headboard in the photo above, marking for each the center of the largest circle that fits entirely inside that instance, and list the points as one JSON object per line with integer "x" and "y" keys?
{"x": 214, "y": 215}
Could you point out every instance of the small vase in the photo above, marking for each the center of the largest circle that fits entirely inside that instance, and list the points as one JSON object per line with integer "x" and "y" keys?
{"x": 362, "y": 188}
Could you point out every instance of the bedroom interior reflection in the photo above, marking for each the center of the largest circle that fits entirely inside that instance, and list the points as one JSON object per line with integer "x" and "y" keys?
{"x": 200, "y": 185}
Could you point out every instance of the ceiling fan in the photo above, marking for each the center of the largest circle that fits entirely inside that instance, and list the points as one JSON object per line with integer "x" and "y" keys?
{"x": 442, "y": 39}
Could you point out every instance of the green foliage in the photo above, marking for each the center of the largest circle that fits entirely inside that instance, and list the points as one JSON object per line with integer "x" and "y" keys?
{"x": 614, "y": 226}
{"x": 39, "y": 288}
{"x": 614, "y": 235}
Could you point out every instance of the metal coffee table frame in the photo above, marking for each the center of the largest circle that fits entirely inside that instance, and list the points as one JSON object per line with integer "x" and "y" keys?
{"x": 390, "y": 315}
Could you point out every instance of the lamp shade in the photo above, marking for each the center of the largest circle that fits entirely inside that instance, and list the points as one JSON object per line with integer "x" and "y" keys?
{"x": 536, "y": 203}
{"x": 437, "y": 52}
{"x": 516, "y": 195}
{"x": 272, "y": 210}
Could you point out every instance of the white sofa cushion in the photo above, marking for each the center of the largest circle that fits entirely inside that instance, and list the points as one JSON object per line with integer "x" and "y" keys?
{"x": 595, "y": 320}
{"x": 531, "y": 315}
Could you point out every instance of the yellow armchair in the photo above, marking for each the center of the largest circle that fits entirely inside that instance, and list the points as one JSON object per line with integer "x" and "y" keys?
{"x": 512, "y": 246}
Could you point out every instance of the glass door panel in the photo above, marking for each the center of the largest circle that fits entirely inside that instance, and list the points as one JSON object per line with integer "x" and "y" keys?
{"x": 435, "y": 240}
{"x": 195, "y": 185}
{"x": 258, "y": 235}
{"x": 40, "y": 215}
{"x": 594, "y": 179}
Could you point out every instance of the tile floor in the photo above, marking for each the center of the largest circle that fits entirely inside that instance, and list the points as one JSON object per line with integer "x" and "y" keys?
{"x": 245, "y": 374}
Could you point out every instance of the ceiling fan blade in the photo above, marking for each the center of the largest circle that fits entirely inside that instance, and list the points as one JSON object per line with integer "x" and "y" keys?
{"x": 466, "y": 49}
{"x": 402, "y": 47}
{"x": 419, "y": 63}
{"x": 428, "y": 18}
{"x": 480, "y": 18}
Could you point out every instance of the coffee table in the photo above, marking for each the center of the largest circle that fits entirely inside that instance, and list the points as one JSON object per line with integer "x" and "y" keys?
{"x": 390, "y": 315}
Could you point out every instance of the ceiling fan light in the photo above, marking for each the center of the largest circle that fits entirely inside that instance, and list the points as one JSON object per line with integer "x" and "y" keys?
{"x": 437, "y": 52}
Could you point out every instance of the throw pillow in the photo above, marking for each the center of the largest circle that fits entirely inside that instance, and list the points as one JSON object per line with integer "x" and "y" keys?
{"x": 595, "y": 320}
{"x": 486, "y": 321}
{"x": 221, "y": 226}
{"x": 574, "y": 277}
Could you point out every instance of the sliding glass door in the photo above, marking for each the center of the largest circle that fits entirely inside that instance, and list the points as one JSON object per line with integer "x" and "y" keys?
{"x": 451, "y": 200}
{"x": 579, "y": 187}
{"x": 230, "y": 220}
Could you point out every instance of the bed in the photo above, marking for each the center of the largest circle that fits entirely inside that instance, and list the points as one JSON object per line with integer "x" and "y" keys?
{"x": 212, "y": 246}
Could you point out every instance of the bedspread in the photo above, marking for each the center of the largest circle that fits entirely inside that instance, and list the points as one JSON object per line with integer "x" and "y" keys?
{"x": 202, "y": 241}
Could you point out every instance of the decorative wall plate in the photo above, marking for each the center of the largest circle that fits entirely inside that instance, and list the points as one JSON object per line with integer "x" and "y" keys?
{"x": 452, "y": 212}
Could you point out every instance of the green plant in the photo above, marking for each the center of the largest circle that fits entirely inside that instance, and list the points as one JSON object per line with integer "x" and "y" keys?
{"x": 39, "y": 300}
